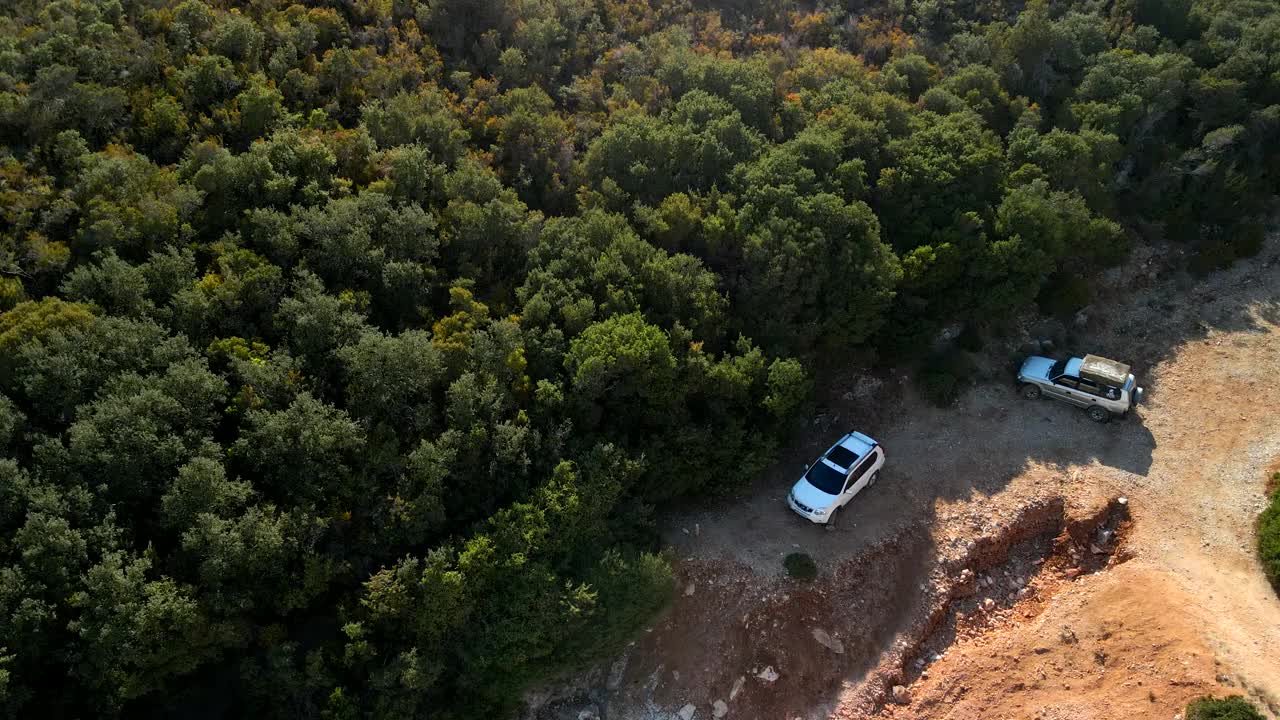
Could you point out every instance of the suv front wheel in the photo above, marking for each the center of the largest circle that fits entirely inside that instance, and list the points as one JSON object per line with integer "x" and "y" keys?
{"x": 1030, "y": 392}
{"x": 1098, "y": 414}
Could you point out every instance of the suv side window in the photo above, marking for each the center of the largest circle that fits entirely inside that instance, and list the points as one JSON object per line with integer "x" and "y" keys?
{"x": 861, "y": 469}
{"x": 1088, "y": 386}
{"x": 1102, "y": 391}
{"x": 1066, "y": 381}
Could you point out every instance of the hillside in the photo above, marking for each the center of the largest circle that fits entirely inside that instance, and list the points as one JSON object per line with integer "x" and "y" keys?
{"x": 355, "y": 355}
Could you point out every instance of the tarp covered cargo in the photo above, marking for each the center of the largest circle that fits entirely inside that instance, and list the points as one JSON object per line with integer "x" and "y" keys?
{"x": 1107, "y": 372}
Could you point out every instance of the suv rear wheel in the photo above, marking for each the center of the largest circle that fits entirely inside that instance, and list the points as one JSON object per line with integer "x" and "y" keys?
{"x": 1098, "y": 414}
{"x": 1030, "y": 392}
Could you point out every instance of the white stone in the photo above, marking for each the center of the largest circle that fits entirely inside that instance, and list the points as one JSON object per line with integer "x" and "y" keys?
{"x": 687, "y": 712}
{"x": 719, "y": 709}
{"x": 827, "y": 641}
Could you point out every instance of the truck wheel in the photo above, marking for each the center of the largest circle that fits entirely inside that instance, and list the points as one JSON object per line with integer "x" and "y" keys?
{"x": 831, "y": 519}
{"x": 1098, "y": 414}
{"x": 1030, "y": 392}
{"x": 874, "y": 477}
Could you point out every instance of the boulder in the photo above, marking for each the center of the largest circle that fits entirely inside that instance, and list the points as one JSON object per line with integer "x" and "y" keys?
{"x": 687, "y": 712}
{"x": 827, "y": 641}
{"x": 719, "y": 709}
{"x": 901, "y": 695}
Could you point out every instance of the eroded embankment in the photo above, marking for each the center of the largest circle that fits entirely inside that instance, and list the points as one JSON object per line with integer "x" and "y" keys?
{"x": 735, "y": 644}
{"x": 1003, "y": 576}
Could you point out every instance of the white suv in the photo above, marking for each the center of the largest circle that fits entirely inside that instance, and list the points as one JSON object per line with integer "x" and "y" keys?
{"x": 847, "y": 467}
{"x": 1102, "y": 387}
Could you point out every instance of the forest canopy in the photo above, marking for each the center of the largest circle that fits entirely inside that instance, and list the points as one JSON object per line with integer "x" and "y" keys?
{"x": 349, "y": 349}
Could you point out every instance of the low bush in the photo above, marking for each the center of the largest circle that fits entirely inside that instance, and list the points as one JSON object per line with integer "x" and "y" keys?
{"x": 1221, "y": 250}
{"x": 970, "y": 339}
{"x": 1269, "y": 536}
{"x": 1063, "y": 294}
{"x": 1228, "y": 708}
{"x": 800, "y": 567}
{"x": 944, "y": 375}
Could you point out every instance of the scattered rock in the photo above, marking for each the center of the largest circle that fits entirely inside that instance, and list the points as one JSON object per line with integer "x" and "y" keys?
{"x": 988, "y": 604}
{"x": 768, "y": 674}
{"x": 1081, "y": 319}
{"x": 1072, "y": 573}
{"x": 614, "y": 681}
{"x": 689, "y": 590}
{"x": 966, "y": 584}
{"x": 737, "y": 686}
{"x": 828, "y": 642}
{"x": 588, "y": 715}
{"x": 1122, "y": 500}
{"x": 687, "y": 712}
{"x": 1096, "y": 550}
{"x": 719, "y": 709}
{"x": 1050, "y": 330}
{"x": 901, "y": 695}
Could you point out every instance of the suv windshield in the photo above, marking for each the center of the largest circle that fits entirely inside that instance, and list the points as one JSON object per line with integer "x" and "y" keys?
{"x": 825, "y": 479}
{"x": 1057, "y": 369}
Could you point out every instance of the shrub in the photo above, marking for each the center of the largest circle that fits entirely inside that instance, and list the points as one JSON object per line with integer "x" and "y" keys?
{"x": 1269, "y": 537}
{"x": 944, "y": 375}
{"x": 800, "y": 567}
{"x": 1229, "y": 708}
{"x": 1063, "y": 294}
{"x": 970, "y": 339}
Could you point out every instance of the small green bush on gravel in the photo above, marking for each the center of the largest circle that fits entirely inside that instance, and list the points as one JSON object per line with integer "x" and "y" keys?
{"x": 1229, "y": 708}
{"x": 800, "y": 567}
{"x": 1269, "y": 537}
{"x": 944, "y": 375}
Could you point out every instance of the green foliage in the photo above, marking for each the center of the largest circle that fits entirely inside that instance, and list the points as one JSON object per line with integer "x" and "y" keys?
{"x": 1269, "y": 537}
{"x": 800, "y": 566}
{"x": 348, "y": 351}
{"x": 943, "y": 376}
{"x": 30, "y": 321}
{"x": 1063, "y": 294}
{"x": 1234, "y": 707}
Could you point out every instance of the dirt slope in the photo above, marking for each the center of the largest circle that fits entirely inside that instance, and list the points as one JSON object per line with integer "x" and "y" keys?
{"x": 1180, "y": 610}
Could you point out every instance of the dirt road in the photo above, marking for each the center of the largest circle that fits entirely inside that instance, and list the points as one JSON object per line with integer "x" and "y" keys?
{"x": 1179, "y": 608}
